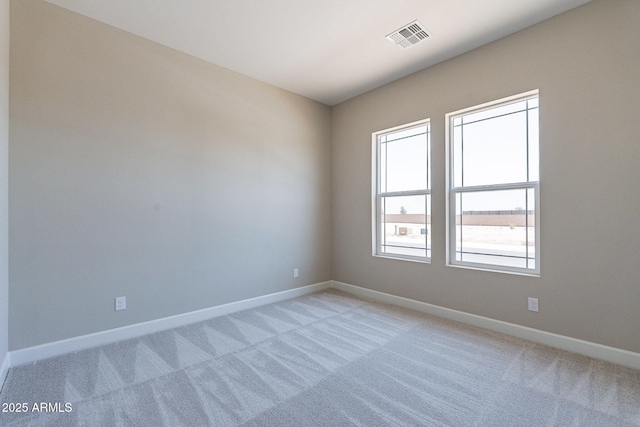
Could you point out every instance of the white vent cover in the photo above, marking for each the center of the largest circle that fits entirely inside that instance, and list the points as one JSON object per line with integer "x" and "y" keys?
{"x": 409, "y": 35}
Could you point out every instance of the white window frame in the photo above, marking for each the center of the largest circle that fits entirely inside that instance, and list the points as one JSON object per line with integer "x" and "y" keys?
{"x": 453, "y": 191}
{"x": 377, "y": 195}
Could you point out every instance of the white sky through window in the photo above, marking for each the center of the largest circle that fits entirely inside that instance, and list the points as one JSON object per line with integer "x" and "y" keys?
{"x": 500, "y": 158}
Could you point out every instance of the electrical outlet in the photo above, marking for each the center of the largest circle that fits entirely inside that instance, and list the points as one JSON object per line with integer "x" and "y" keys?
{"x": 533, "y": 304}
{"x": 121, "y": 303}
{"x": 295, "y": 272}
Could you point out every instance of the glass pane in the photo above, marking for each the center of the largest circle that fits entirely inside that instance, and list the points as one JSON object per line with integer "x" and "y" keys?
{"x": 405, "y": 161}
{"x": 405, "y": 133}
{"x": 534, "y": 155}
{"x": 457, "y": 156}
{"x": 531, "y": 228}
{"x": 383, "y": 168}
{"x": 406, "y": 227}
{"x": 406, "y": 164}
{"x": 494, "y": 112}
{"x": 459, "y": 231}
{"x": 495, "y": 150}
{"x": 428, "y": 136}
{"x": 496, "y": 227}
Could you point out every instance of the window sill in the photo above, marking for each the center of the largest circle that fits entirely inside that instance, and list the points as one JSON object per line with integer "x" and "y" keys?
{"x": 400, "y": 258}
{"x": 495, "y": 270}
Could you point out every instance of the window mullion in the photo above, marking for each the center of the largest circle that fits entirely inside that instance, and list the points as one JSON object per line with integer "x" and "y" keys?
{"x": 496, "y": 187}
{"x": 461, "y": 153}
{"x": 527, "y": 140}
{"x": 526, "y": 227}
{"x": 405, "y": 193}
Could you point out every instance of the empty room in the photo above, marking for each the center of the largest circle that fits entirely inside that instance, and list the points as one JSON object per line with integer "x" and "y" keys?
{"x": 319, "y": 213}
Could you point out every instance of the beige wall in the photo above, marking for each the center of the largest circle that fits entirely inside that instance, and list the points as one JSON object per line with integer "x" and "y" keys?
{"x": 4, "y": 147}
{"x": 137, "y": 170}
{"x": 586, "y": 65}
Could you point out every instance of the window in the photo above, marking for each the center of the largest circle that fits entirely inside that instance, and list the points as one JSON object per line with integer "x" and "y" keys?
{"x": 402, "y": 192}
{"x": 493, "y": 186}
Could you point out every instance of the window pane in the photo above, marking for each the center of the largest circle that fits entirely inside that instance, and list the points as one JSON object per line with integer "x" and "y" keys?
{"x": 494, "y": 112}
{"x": 531, "y": 228}
{"x": 405, "y": 133}
{"x": 382, "y": 154}
{"x": 457, "y": 156}
{"x": 495, "y": 150}
{"x": 406, "y": 229}
{"x": 534, "y": 156}
{"x": 428, "y": 137}
{"x": 404, "y": 161}
{"x": 496, "y": 227}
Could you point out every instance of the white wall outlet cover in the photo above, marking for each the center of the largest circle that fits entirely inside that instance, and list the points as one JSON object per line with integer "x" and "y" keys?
{"x": 121, "y": 303}
{"x": 533, "y": 304}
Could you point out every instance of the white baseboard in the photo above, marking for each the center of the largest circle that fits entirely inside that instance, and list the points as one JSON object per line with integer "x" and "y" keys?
{"x": 4, "y": 369}
{"x": 44, "y": 351}
{"x": 586, "y": 348}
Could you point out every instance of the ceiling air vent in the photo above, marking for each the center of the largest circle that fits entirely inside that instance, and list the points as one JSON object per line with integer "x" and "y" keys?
{"x": 409, "y": 35}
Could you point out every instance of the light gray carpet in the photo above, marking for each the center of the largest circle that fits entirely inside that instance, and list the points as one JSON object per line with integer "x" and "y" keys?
{"x": 326, "y": 359}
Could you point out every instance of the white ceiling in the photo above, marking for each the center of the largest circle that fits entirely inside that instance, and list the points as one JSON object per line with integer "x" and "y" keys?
{"x": 327, "y": 50}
